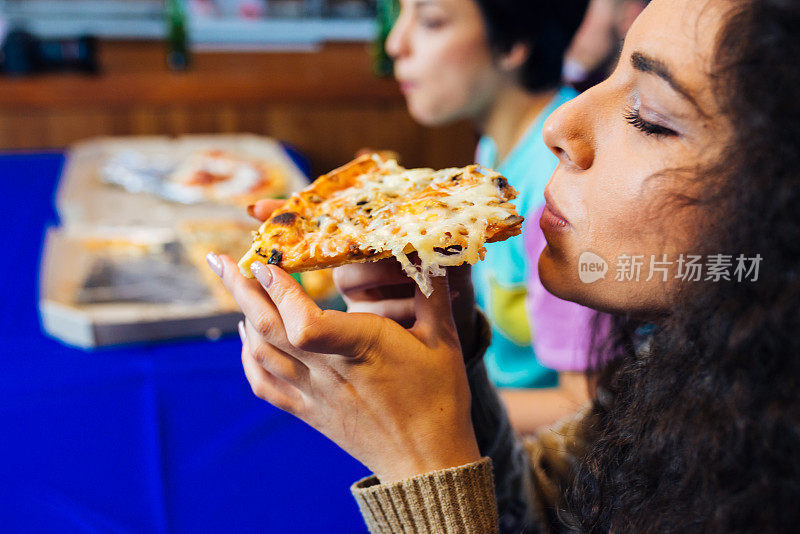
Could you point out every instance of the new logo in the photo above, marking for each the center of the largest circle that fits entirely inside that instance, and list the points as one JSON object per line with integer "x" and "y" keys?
{"x": 591, "y": 267}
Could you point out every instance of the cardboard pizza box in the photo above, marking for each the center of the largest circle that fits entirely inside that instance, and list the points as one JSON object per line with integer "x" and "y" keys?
{"x": 120, "y": 269}
{"x": 142, "y": 289}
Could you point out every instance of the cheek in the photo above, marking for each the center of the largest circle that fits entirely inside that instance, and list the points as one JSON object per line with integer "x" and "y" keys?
{"x": 613, "y": 218}
{"x": 454, "y": 80}
{"x": 623, "y": 205}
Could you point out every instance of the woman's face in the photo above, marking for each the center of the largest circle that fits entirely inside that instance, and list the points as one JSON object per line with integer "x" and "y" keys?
{"x": 442, "y": 60}
{"x": 621, "y": 147}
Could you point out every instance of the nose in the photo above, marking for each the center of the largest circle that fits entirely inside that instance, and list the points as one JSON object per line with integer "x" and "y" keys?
{"x": 568, "y": 133}
{"x": 397, "y": 43}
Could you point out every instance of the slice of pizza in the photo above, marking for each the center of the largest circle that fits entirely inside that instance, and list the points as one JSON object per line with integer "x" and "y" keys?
{"x": 372, "y": 208}
{"x": 220, "y": 176}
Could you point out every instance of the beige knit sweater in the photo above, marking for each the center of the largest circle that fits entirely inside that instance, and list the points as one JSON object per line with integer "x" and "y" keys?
{"x": 462, "y": 499}
{"x": 518, "y": 495}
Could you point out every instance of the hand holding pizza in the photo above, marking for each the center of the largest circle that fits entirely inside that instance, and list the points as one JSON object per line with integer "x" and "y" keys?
{"x": 383, "y": 288}
{"x": 396, "y": 399}
{"x": 392, "y": 393}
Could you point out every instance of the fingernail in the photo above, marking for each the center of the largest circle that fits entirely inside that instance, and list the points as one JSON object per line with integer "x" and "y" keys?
{"x": 242, "y": 333}
{"x": 215, "y": 263}
{"x": 251, "y": 210}
{"x": 262, "y": 274}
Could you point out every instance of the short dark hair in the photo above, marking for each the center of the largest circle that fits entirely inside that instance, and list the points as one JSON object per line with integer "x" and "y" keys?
{"x": 546, "y": 26}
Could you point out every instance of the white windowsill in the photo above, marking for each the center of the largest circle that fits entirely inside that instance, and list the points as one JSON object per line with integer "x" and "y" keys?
{"x": 114, "y": 19}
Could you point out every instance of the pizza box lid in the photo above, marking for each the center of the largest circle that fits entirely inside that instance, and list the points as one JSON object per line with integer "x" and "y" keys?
{"x": 84, "y": 199}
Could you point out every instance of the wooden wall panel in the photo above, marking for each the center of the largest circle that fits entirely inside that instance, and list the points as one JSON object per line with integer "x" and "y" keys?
{"x": 328, "y": 134}
{"x": 328, "y": 104}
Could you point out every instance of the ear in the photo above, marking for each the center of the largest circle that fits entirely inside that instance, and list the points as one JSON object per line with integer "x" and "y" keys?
{"x": 515, "y": 58}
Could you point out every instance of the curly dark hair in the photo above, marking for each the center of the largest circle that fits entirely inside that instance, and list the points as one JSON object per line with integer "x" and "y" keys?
{"x": 701, "y": 431}
{"x": 546, "y": 26}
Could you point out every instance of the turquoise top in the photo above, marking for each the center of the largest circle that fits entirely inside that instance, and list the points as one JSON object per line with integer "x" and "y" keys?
{"x": 501, "y": 278}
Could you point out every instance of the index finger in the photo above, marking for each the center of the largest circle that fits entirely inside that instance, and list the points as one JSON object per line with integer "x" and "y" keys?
{"x": 262, "y": 209}
{"x": 256, "y": 305}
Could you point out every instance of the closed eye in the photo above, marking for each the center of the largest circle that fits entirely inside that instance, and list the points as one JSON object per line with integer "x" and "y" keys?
{"x": 648, "y": 128}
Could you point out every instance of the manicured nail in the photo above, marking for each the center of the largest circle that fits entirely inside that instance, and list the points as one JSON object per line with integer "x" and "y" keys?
{"x": 242, "y": 334}
{"x": 262, "y": 274}
{"x": 251, "y": 210}
{"x": 215, "y": 263}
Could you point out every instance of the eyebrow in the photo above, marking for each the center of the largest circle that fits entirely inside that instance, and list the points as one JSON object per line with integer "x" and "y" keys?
{"x": 650, "y": 65}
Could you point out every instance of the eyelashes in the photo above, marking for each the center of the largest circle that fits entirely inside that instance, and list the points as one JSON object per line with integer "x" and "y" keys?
{"x": 633, "y": 118}
{"x": 433, "y": 24}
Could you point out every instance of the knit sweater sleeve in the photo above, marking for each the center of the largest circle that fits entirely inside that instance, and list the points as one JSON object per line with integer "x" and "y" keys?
{"x": 450, "y": 501}
{"x": 462, "y": 499}
{"x": 491, "y": 495}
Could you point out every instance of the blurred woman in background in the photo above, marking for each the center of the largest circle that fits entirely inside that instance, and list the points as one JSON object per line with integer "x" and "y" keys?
{"x": 691, "y": 147}
{"x": 498, "y": 64}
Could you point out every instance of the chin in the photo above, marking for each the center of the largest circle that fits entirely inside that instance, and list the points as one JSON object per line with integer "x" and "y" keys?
{"x": 558, "y": 275}
{"x": 429, "y": 120}
{"x": 604, "y": 295}
{"x": 554, "y": 277}
{"x": 429, "y": 115}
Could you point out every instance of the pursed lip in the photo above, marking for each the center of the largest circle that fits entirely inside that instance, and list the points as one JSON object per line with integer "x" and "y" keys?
{"x": 404, "y": 80}
{"x": 551, "y": 214}
{"x": 406, "y": 85}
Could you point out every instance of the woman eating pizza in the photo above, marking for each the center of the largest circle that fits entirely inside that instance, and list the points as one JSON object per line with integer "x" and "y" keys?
{"x": 674, "y": 204}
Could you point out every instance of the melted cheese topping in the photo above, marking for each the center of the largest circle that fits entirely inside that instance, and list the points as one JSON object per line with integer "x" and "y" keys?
{"x": 444, "y": 216}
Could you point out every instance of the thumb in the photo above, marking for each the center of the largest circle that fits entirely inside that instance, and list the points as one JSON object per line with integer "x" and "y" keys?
{"x": 434, "y": 313}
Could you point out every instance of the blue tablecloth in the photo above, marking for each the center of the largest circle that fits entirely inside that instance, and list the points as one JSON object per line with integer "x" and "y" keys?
{"x": 162, "y": 438}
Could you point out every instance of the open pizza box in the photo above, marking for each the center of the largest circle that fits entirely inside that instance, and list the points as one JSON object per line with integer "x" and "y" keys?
{"x": 128, "y": 265}
{"x": 98, "y": 293}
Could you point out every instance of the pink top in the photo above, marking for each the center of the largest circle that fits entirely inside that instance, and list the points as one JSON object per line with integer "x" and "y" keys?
{"x": 562, "y": 330}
